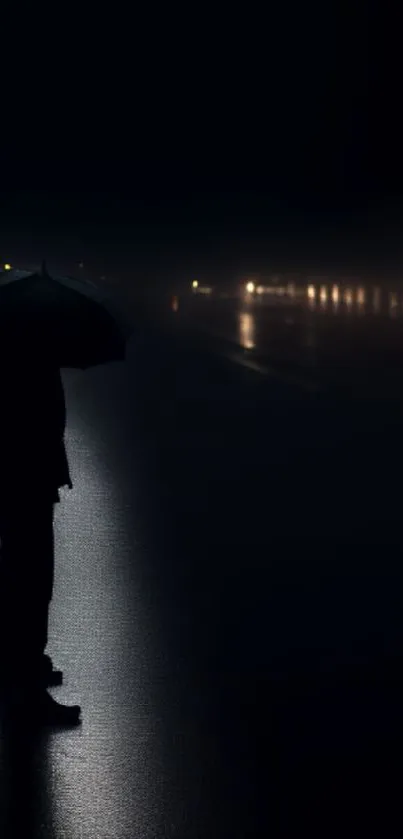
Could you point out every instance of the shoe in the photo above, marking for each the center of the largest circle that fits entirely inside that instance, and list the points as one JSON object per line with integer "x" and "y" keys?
{"x": 53, "y": 679}
{"x": 49, "y": 712}
{"x": 47, "y": 676}
{"x": 39, "y": 708}
{"x": 50, "y": 677}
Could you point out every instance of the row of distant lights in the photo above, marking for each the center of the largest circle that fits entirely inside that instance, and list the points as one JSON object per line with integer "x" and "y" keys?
{"x": 348, "y": 295}
{"x": 336, "y": 294}
{"x": 251, "y": 288}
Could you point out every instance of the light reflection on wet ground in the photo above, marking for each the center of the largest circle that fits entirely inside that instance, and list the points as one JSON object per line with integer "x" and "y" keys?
{"x": 226, "y": 596}
{"x": 247, "y": 324}
{"x": 338, "y": 333}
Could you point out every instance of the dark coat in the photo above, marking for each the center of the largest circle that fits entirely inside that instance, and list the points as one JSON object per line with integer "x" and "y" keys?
{"x": 32, "y": 426}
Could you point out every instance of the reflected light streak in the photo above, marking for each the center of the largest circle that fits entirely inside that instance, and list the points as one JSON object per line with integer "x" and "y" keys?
{"x": 103, "y": 747}
{"x": 348, "y": 297}
{"x": 247, "y": 330}
{"x": 361, "y": 297}
{"x": 311, "y": 292}
{"x": 393, "y": 301}
{"x": 323, "y": 294}
{"x": 335, "y": 294}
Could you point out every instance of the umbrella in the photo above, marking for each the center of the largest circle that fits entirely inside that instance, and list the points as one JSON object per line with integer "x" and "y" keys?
{"x": 73, "y": 320}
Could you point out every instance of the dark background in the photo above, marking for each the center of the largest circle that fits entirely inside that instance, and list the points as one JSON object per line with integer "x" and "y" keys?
{"x": 206, "y": 140}
{"x": 249, "y": 530}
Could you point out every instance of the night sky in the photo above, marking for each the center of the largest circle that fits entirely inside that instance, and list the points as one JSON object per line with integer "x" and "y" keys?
{"x": 212, "y": 144}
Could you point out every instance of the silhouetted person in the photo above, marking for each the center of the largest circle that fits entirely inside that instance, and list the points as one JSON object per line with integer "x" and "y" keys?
{"x": 33, "y": 465}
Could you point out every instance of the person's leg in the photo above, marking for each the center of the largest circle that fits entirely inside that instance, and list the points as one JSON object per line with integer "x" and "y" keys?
{"x": 45, "y": 574}
{"x": 26, "y": 579}
{"x": 50, "y": 676}
{"x": 26, "y": 585}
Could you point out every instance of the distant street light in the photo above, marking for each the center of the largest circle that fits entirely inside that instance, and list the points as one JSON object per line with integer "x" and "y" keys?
{"x": 195, "y": 284}
{"x": 250, "y": 287}
{"x": 7, "y": 266}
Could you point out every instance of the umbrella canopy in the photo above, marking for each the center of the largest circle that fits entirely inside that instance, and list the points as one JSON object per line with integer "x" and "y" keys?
{"x": 72, "y": 321}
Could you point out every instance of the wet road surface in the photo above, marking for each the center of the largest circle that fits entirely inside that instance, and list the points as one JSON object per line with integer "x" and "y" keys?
{"x": 227, "y": 609}
{"x": 352, "y": 346}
